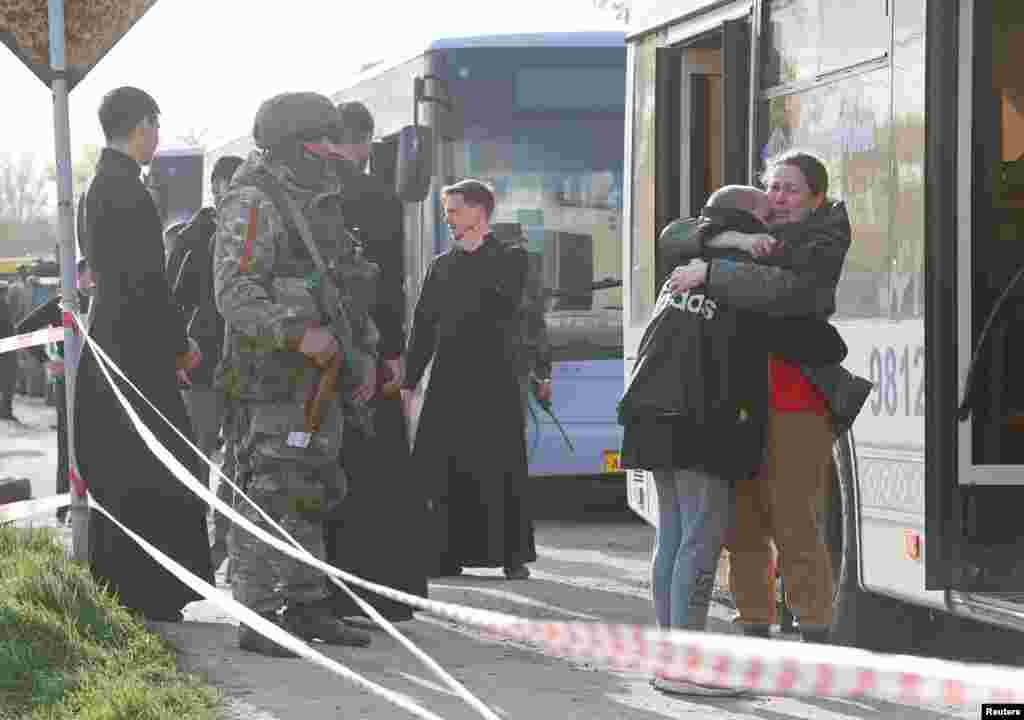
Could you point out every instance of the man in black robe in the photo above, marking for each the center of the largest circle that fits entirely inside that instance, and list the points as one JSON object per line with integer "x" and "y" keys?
{"x": 360, "y": 531}
{"x": 470, "y": 444}
{"x": 135, "y": 320}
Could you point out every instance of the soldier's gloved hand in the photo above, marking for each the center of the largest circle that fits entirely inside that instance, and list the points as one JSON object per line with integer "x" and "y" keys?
{"x": 319, "y": 345}
{"x": 364, "y": 393}
{"x": 189, "y": 360}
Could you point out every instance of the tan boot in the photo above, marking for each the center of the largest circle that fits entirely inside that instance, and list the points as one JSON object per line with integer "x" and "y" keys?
{"x": 313, "y": 622}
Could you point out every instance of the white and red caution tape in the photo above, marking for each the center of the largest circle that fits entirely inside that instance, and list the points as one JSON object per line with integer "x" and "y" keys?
{"x": 31, "y": 339}
{"x": 762, "y": 666}
{"x": 295, "y": 550}
{"x": 261, "y": 624}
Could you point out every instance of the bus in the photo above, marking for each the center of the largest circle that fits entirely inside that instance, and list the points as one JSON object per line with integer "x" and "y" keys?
{"x": 540, "y": 117}
{"x": 175, "y": 180}
{"x": 917, "y": 108}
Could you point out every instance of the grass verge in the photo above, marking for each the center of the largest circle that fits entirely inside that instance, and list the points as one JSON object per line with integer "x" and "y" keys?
{"x": 68, "y": 650}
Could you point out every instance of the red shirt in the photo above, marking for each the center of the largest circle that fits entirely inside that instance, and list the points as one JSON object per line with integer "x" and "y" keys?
{"x": 791, "y": 391}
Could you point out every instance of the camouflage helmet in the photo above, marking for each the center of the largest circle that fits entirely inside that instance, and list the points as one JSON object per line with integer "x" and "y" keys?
{"x": 294, "y": 115}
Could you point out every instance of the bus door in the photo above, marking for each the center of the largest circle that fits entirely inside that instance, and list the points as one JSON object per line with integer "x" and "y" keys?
{"x": 703, "y": 86}
{"x": 701, "y": 131}
{"x": 990, "y": 297}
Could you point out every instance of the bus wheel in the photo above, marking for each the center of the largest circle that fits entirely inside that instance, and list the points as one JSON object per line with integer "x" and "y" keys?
{"x": 861, "y": 619}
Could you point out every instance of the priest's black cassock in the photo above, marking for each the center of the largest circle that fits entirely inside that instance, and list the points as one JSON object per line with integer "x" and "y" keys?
{"x": 134, "y": 319}
{"x": 384, "y": 499}
{"x": 470, "y": 446}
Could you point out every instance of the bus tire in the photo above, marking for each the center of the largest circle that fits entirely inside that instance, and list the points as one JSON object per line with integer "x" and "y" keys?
{"x": 859, "y": 618}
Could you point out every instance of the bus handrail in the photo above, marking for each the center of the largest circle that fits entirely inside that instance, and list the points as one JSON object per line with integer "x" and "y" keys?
{"x": 593, "y": 287}
{"x": 967, "y": 402}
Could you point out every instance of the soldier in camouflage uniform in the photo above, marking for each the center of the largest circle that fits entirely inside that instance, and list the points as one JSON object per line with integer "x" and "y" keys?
{"x": 280, "y": 345}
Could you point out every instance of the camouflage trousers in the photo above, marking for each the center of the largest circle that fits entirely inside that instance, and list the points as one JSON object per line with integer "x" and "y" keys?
{"x": 222, "y": 524}
{"x": 263, "y": 578}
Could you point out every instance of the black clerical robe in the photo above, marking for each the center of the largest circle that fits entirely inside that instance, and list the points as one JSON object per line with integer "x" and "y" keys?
{"x": 470, "y": 446}
{"x": 383, "y": 499}
{"x": 135, "y": 320}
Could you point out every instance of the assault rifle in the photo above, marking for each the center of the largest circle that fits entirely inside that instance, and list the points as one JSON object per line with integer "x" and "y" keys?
{"x": 332, "y": 304}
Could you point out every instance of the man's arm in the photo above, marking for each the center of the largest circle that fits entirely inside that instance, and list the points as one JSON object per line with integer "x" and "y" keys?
{"x": 423, "y": 334}
{"x": 535, "y": 329}
{"x": 127, "y": 268}
{"x": 245, "y": 250}
{"x": 508, "y": 279}
{"x": 806, "y": 286}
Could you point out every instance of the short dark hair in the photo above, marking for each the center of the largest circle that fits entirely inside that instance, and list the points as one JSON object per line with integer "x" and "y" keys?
{"x": 736, "y": 197}
{"x": 224, "y": 168}
{"x": 473, "y": 192}
{"x": 356, "y": 122}
{"x": 122, "y": 109}
{"x": 811, "y": 166}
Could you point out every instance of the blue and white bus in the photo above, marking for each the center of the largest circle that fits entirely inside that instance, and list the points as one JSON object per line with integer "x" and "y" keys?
{"x": 917, "y": 109}
{"x": 541, "y": 118}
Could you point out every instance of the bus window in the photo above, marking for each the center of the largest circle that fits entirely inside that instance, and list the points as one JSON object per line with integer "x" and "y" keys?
{"x": 565, "y": 197}
{"x": 908, "y": 155}
{"x": 997, "y": 237}
{"x": 809, "y": 38}
{"x": 642, "y": 261}
{"x": 847, "y": 125}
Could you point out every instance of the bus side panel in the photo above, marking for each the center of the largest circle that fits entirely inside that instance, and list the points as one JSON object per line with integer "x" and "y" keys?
{"x": 580, "y": 403}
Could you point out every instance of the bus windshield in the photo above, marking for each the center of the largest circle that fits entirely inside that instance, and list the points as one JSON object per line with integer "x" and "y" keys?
{"x": 548, "y": 137}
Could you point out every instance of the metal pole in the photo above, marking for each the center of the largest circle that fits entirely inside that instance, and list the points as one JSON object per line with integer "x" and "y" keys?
{"x": 68, "y": 268}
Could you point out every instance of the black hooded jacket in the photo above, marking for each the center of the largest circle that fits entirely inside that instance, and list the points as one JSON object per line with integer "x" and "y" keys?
{"x": 190, "y": 270}
{"x": 698, "y": 394}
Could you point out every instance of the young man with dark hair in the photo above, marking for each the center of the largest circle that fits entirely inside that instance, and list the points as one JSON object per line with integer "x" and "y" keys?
{"x": 135, "y": 320}
{"x": 190, "y": 273}
{"x": 471, "y": 438}
{"x": 356, "y": 132}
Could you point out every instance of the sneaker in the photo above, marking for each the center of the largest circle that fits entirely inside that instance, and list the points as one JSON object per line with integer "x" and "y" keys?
{"x": 678, "y": 686}
{"x": 757, "y": 630}
{"x": 815, "y": 634}
{"x": 517, "y": 572}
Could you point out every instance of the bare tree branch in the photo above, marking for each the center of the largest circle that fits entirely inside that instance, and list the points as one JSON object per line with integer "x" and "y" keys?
{"x": 194, "y": 137}
{"x": 23, "y": 195}
{"x": 82, "y": 169}
{"x": 621, "y": 8}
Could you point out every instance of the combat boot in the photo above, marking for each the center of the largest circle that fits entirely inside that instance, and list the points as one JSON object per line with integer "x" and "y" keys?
{"x": 757, "y": 630}
{"x": 252, "y": 641}
{"x": 820, "y": 635}
{"x": 313, "y": 621}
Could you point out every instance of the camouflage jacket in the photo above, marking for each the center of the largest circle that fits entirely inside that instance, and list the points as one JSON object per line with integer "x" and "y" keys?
{"x": 265, "y": 284}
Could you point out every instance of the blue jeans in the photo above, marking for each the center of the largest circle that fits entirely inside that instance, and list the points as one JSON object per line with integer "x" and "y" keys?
{"x": 694, "y": 510}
